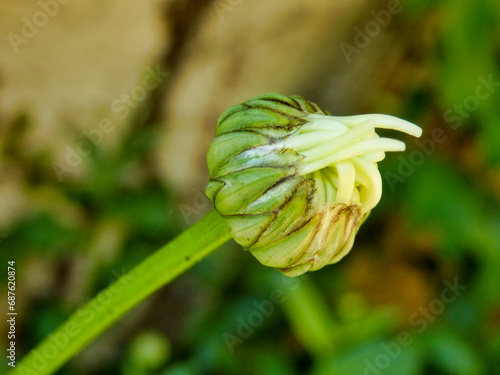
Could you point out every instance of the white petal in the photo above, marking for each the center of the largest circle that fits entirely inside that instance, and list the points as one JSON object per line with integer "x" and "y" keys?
{"x": 357, "y": 149}
{"x": 385, "y": 122}
{"x": 347, "y": 175}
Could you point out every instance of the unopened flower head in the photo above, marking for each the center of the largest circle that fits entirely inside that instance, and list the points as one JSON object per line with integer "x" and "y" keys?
{"x": 292, "y": 182}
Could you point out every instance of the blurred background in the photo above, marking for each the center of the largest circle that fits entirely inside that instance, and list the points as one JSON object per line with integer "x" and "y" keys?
{"x": 106, "y": 113}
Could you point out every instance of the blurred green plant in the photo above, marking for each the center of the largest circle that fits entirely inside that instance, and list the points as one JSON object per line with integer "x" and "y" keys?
{"x": 451, "y": 198}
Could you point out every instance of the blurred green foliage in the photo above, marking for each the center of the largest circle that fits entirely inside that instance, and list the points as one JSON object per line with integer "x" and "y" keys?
{"x": 229, "y": 315}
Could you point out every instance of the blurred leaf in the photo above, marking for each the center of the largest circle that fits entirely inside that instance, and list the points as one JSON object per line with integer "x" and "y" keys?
{"x": 42, "y": 233}
{"x": 181, "y": 369}
{"x": 388, "y": 358}
{"x": 438, "y": 196}
{"x": 309, "y": 316}
{"x": 454, "y": 356}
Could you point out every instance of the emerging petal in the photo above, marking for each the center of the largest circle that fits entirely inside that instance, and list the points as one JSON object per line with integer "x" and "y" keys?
{"x": 338, "y": 152}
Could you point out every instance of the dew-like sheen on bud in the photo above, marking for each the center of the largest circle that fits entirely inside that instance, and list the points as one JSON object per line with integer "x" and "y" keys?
{"x": 293, "y": 183}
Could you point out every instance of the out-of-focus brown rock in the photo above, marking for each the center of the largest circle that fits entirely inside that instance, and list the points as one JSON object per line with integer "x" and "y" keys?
{"x": 65, "y": 64}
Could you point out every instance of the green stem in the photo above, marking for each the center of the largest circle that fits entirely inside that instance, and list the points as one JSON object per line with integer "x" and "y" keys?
{"x": 113, "y": 302}
{"x": 311, "y": 319}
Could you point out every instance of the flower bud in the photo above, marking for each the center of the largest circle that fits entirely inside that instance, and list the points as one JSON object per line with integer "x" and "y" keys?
{"x": 293, "y": 183}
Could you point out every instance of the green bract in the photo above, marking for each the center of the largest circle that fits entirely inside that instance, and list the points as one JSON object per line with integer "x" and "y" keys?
{"x": 292, "y": 182}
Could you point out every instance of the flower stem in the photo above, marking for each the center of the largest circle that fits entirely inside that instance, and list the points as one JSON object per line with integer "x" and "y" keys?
{"x": 86, "y": 324}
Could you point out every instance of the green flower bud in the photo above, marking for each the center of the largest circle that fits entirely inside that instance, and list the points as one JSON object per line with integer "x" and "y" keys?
{"x": 293, "y": 183}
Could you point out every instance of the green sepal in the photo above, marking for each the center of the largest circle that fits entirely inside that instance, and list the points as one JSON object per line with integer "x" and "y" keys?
{"x": 259, "y": 157}
{"x": 290, "y": 216}
{"x": 244, "y": 187}
{"x": 225, "y": 147}
{"x": 247, "y": 229}
{"x": 259, "y": 120}
{"x": 213, "y": 188}
{"x": 286, "y": 251}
